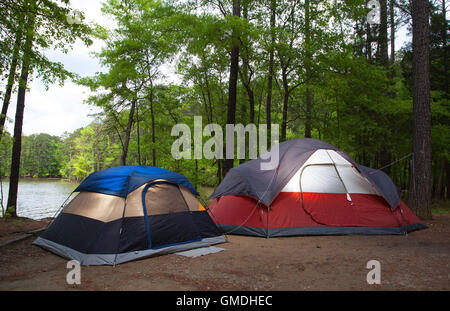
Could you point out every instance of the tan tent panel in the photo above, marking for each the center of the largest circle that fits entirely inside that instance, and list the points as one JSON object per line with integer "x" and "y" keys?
{"x": 191, "y": 200}
{"x": 163, "y": 199}
{"x": 97, "y": 206}
{"x": 159, "y": 199}
{"x": 134, "y": 203}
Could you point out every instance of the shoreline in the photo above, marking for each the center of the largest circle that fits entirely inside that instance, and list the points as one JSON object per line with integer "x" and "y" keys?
{"x": 6, "y": 178}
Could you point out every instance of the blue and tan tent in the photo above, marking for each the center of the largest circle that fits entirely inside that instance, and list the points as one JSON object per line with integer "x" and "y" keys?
{"x": 130, "y": 212}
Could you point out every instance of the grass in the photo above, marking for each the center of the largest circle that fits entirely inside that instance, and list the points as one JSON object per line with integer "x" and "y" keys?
{"x": 440, "y": 207}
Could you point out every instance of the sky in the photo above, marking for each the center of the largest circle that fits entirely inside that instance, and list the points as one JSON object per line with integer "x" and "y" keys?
{"x": 62, "y": 108}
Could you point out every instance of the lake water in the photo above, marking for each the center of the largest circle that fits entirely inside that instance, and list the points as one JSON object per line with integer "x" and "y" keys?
{"x": 39, "y": 198}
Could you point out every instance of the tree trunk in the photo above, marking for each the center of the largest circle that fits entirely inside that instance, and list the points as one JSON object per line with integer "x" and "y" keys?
{"x": 98, "y": 161}
{"x": 444, "y": 45}
{"x": 285, "y": 105}
{"x": 392, "y": 22}
{"x": 383, "y": 56}
{"x": 123, "y": 159}
{"x": 383, "y": 59}
{"x": 308, "y": 113}
{"x": 368, "y": 42}
{"x": 271, "y": 70}
{"x": 251, "y": 100}
{"x": 209, "y": 104}
{"x": 196, "y": 174}
{"x": 11, "y": 206}
{"x": 152, "y": 114}
{"x": 308, "y": 69}
{"x": 11, "y": 77}
{"x": 420, "y": 187}
{"x": 70, "y": 166}
{"x": 232, "y": 87}
{"x": 138, "y": 134}
{"x": 338, "y": 117}
{"x": 439, "y": 193}
{"x": 447, "y": 184}
{"x": 247, "y": 80}
{"x": 219, "y": 170}
{"x": 359, "y": 36}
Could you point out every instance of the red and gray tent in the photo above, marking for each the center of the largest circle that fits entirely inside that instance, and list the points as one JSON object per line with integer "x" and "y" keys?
{"x": 316, "y": 189}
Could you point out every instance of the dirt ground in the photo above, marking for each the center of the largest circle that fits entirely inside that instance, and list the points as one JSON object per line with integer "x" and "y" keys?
{"x": 418, "y": 261}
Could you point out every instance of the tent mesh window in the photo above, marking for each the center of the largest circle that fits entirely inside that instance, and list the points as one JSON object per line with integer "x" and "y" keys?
{"x": 164, "y": 199}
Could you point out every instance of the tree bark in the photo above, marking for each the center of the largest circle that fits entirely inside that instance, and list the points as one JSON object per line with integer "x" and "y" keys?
{"x": 232, "y": 86}
{"x": 138, "y": 134}
{"x": 123, "y": 158}
{"x": 247, "y": 81}
{"x": 152, "y": 114}
{"x": 208, "y": 103}
{"x": 308, "y": 69}
{"x": 420, "y": 187}
{"x": 285, "y": 106}
{"x": 308, "y": 127}
{"x": 369, "y": 39}
{"x": 11, "y": 206}
{"x": 444, "y": 45}
{"x": 368, "y": 42}
{"x": 439, "y": 192}
{"x": 11, "y": 78}
{"x": 251, "y": 100}
{"x": 383, "y": 57}
{"x": 98, "y": 161}
{"x": 271, "y": 70}
{"x": 392, "y": 22}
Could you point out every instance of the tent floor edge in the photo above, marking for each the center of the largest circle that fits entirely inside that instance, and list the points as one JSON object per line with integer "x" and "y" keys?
{"x": 322, "y": 230}
{"x": 115, "y": 259}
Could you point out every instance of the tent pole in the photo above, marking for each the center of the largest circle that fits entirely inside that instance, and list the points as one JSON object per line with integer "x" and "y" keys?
{"x": 62, "y": 205}
{"x": 59, "y": 209}
{"x": 340, "y": 178}
{"x": 301, "y": 191}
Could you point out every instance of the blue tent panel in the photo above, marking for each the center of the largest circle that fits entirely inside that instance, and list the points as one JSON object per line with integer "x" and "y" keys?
{"x": 122, "y": 180}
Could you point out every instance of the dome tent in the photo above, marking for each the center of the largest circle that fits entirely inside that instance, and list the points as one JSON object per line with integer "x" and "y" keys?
{"x": 316, "y": 189}
{"x": 130, "y": 212}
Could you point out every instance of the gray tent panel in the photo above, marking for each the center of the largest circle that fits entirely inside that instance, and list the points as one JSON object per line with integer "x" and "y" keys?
{"x": 264, "y": 185}
{"x": 382, "y": 183}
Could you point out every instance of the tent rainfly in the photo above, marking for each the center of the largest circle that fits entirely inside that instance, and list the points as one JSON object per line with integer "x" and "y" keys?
{"x": 130, "y": 212}
{"x": 316, "y": 189}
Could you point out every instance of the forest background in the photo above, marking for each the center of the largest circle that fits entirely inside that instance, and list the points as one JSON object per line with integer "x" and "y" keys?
{"x": 317, "y": 68}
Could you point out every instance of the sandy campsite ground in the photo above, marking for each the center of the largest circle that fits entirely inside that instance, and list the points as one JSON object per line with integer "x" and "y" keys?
{"x": 418, "y": 261}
